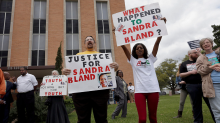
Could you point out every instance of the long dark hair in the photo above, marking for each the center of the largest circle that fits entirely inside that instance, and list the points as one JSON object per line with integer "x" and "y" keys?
{"x": 118, "y": 71}
{"x": 145, "y": 55}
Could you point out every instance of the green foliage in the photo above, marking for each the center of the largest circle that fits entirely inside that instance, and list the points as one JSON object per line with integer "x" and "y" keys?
{"x": 166, "y": 74}
{"x": 185, "y": 58}
{"x": 59, "y": 60}
{"x": 216, "y": 35}
{"x": 13, "y": 112}
{"x": 40, "y": 109}
{"x": 69, "y": 105}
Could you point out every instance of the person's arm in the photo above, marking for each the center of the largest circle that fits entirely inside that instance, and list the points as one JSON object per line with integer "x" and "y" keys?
{"x": 183, "y": 75}
{"x": 114, "y": 65}
{"x": 34, "y": 82}
{"x": 127, "y": 53}
{"x": 156, "y": 46}
{"x": 203, "y": 69}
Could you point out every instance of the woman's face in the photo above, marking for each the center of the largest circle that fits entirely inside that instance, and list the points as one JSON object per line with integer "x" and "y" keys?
{"x": 120, "y": 73}
{"x": 207, "y": 45}
{"x": 104, "y": 80}
{"x": 54, "y": 73}
{"x": 139, "y": 51}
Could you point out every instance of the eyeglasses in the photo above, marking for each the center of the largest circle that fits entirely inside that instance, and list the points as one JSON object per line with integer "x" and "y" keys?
{"x": 89, "y": 39}
{"x": 139, "y": 48}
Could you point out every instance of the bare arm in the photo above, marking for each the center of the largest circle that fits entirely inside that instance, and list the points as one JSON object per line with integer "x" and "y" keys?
{"x": 127, "y": 53}
{"x": 183, "y": 75}
{"x": 156, "y": 46}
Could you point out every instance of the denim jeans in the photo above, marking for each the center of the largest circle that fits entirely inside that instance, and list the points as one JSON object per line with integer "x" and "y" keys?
{"x": 215, "y": 102}
{"x": 196, "y": 94}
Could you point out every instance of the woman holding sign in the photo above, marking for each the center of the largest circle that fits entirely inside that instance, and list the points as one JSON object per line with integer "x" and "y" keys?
{"x": 145, "y": 79}
{"x": 57, "y": 110}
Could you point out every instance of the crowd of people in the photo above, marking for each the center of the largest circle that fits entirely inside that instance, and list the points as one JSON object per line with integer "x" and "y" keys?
{"x": 199, "y": 77}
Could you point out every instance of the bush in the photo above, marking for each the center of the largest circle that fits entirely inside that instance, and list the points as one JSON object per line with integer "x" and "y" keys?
{"x": 69, "y": 105}
{"x": 40, "y": 109}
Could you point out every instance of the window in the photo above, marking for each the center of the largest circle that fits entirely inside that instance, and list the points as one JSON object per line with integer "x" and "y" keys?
{"x": 5, "y": 21}
{"x": 103, "y": 27}
{"x": 39, "y": 31}
{"x": 72, "y": 29}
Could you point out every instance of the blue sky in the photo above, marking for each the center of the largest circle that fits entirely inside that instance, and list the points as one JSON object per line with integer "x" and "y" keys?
{"x": 186, "y": 20}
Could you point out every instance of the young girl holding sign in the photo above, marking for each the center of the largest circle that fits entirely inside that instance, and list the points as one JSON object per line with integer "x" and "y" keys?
{"x": 145, "y": 79}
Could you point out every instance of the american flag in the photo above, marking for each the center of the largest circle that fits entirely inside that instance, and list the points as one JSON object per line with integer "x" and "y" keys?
{"x": 194, "y": 44}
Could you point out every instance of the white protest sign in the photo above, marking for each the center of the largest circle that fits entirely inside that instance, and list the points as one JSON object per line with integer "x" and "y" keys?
{"x": 54, "y": 85}
{"x": 90, "y": 72}
{"x": 138, "y": 24}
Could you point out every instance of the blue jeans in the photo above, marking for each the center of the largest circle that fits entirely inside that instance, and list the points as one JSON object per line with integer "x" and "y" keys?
{"x": 215, "y": 102}
{"x": 196, "y": 94}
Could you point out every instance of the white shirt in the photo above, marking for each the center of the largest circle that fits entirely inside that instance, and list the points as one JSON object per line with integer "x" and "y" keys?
{"x": 131, "y": 89}
{"x": 26, "y": 83}
{"x": 145, "y": 78}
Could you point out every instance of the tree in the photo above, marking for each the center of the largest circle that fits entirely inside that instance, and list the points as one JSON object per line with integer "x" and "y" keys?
{"x": 185, "y": 58}
{"x": 59, "y": 60}
{"x": 166, "y": 74}
{"x": 216, "y": 34}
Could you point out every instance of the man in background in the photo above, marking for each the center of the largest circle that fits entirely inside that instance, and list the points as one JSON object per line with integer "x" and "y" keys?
{"x": 131, "y": 91}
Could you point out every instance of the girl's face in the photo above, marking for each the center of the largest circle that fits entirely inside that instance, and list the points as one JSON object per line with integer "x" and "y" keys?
{"x": 139, "y": 51}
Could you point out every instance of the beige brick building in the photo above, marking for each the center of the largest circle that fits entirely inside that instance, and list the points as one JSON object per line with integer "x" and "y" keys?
{"x": 31, "y": 32}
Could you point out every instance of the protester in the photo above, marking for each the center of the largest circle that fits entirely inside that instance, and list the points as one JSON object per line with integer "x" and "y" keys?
{"x": 56, "y": 109}
{"x": 189, "y": 74}
{"x": 145, "y": 79}
{"x": 84, "y": 102}
{"x": 2, "y": 84}
{"x": 183, "y": 93}
{"x": 7, "y": 99}
{"x": 131, "y": 91}
{"x": 121, "y": 91}
{"x": 209, "y": 69}
{"x": 26, "y": 84}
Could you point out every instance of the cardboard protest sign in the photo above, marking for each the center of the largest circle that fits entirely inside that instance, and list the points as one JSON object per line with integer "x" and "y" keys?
{"x": 138, "y": 24}
{"x": 54, "y": 85}
{"x": 90, "y": 72}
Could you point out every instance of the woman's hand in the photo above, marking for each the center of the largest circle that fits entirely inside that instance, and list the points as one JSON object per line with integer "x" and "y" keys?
{"x": 165, "y": 20}
{"x": 66, "y": 71}
{"x": 182, "y": 82}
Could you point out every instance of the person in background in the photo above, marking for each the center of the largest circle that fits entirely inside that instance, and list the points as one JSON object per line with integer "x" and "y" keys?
{"x": 121, "y": 91}
{"x": 183, "y": 93}
{"x": 189, "y": 74}
{"x": 2, "y": 85}
{"x": 209, "y": 68}
{"x": 57, "y": 110}
{"x": 7, "y": 99}
{"x": 26, "y": 85}
{"x": 131, "y": 91}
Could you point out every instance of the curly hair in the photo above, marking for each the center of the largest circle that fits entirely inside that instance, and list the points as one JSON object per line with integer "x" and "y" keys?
{"x": 145, "y": 55}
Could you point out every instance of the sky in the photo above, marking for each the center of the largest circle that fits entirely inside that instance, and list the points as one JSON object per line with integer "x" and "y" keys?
{"x": 187, "y": 20}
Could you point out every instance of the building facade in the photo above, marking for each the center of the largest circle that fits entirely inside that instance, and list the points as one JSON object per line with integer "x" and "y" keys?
{"x": 31, "y": 32}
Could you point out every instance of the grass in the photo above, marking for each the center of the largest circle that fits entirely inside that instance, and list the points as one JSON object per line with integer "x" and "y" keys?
{"x": 167, "y": 109}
